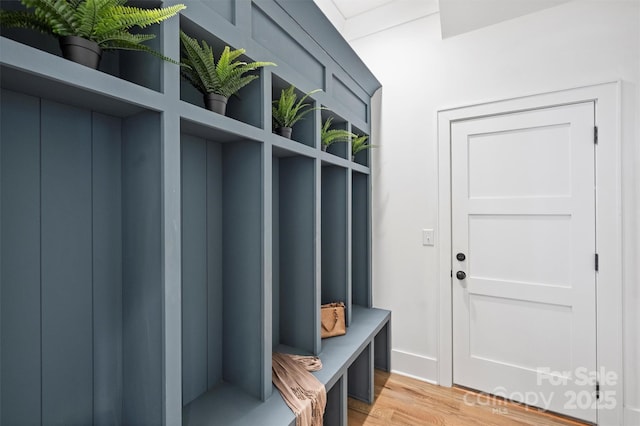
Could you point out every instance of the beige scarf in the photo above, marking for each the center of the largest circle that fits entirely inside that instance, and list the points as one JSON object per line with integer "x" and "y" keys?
{"x": 300, "y": 389}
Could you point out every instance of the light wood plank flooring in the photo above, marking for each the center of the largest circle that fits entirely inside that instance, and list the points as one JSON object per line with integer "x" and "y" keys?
{"x": 404, "y": 401}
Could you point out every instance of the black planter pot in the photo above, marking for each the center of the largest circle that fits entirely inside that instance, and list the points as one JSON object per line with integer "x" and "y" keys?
{"x": 285, "y": 132}
{"x": 81, "y": 50}
{"x": 216, "y": 103}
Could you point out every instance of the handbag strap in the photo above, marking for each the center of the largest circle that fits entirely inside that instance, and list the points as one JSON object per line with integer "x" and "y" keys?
{"x": 335, "y": 320}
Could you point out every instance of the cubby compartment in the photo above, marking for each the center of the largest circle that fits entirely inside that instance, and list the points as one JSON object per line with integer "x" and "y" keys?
{"x": 304, "y": 131}
{"x": 335, "y": 412}
{"x": 360, "y": 376}
{"x": 222, "y": 278}
{"x": 334, "y": 236}
{"x": 246, "y": 105}
{"x": 363, "y": 157}
{"x": 360, "y": 240}
{"x": 348, "y": 361}
{"x": 339, "y": 149}
{"x": 81, "y": 265}
{"x": 382, "y": 348}
{"x": 295, "y": 289}
{"x": 140, "y": 68}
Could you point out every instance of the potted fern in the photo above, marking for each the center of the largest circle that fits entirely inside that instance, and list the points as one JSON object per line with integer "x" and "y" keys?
{"x": 286, "y": 111}
{"x": 216, "y": 81}
{"x": 330, "y": 136}
{"x": 87, "y": 27}
{"x": 359, "y": 143}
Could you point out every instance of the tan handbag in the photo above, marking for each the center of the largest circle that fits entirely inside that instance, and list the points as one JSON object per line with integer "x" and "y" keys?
{"x": 332, "y": 319}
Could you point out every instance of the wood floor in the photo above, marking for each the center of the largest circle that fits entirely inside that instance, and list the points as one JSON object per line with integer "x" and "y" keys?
{"x": 404, "y": 401}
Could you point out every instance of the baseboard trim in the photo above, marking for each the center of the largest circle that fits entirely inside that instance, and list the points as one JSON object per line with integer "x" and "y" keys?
{"x": 631, "y": 416}
{"x": 415, "y": 366}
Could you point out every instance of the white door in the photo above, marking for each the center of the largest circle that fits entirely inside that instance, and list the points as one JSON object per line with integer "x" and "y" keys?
{"x": 523, "y": 216}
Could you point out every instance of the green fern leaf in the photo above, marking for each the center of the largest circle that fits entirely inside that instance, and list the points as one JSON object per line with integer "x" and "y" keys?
{"x": 187, "y": 75}
{"x": 224, "y": 77}
{"x": 126, "y": 37}
{"x": 57, "y": 14}
{"x": 124, "y": 44}
{"x": 121, "y": 17}
{"x": 234, "y": 86}
{"x": 23, "y": 19}
{"x": 329, "y": 136}
{"x": 90, "y": 12}
{"x": 103, "y": 21}
{"x": 200, "y": 61}
{"x": 359, "y": 143}
{"x": 286, "y": 112}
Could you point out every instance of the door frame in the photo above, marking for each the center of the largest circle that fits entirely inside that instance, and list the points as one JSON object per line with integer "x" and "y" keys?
{"x": 609, "y": 349}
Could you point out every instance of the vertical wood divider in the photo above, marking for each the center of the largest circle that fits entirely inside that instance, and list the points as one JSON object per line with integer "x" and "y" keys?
{"x": 171, "y": 238}
{"x": 267, "y": 269}
{"x": 349, "y": 300}
{"x": 317, "y": 117}
{"x": 267, "y": 232}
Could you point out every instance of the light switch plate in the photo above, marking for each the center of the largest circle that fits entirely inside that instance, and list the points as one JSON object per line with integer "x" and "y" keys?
{"x": 428, "y": 238}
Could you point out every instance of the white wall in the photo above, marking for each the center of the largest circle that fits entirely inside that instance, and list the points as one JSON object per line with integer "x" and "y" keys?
{"x": 575, "y": 44}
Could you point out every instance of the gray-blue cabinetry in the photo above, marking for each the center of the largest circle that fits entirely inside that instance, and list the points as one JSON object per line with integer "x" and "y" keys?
{"x": 154, "y": 254}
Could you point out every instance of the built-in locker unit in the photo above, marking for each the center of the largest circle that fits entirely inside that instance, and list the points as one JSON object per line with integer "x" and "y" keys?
{"x": 154, "y": 254}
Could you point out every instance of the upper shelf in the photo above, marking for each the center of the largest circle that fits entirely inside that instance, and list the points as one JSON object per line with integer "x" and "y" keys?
{"x": 38, "y": 73}
{"x": 333, "y": 160}
{"x": 206, "y": 124}
{"x": 360, "y": 168}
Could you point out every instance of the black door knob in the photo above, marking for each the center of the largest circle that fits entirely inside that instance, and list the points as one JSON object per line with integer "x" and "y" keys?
{"x": 461, "y": 275}
{"x": 460, "y": 257}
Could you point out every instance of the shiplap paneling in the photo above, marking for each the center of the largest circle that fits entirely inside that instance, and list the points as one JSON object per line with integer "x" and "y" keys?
{"x": 20, "y": 257}
{"x": 66, "y": 280}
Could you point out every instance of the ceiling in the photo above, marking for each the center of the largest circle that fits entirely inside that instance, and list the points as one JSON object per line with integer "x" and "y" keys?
{"x": 462, "y": 16}
{"x": 358, "y": 18}
{"x": 350, "y": 8}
